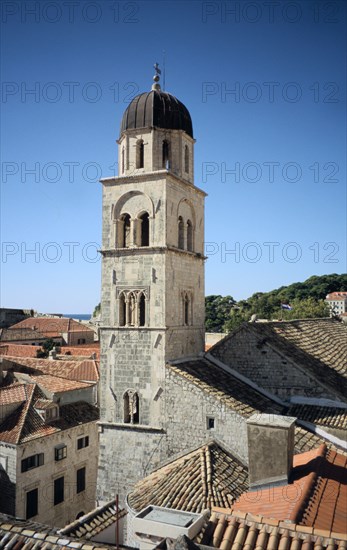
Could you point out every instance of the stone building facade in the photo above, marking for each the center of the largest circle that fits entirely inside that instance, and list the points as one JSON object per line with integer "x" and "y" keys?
{"x": 48, "y": 455}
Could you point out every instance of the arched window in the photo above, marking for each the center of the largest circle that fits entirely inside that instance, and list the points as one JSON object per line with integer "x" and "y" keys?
{"x": 123, "y": 160}
{"x": 122, "y": 310}
{"x": 166, "y": 154}
{"x": 189, "y": 235}
{"x": 144, "y": 241}
{"x": 126, "y": 231}
{"x": 180, "y": 232}
{"x": 186, "y": 159}
{"x": 131, "y": 407}
{"x": 139, "y": 153}
{"x": 142, "y": 310}
{"x": 186, "y": 309}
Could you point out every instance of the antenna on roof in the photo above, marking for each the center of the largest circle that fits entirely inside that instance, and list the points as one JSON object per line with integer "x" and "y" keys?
{"x": 164, "y": 70}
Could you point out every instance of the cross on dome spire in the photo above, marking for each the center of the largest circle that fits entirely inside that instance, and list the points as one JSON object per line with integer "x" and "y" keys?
{"x": 156, "y": 77}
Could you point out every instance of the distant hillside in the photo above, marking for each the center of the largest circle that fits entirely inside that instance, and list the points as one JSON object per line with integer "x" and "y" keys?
{"x": 317, "y": 287}
{"x": 306, "y": 299}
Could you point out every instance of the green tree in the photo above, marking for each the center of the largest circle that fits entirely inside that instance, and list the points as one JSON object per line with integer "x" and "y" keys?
{"x": 97, "y": 310}
{"x": 305, "y": 309}
{"x": 217, "y": 310}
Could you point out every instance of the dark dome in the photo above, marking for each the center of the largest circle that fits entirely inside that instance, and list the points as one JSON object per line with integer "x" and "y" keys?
{"x": 157, "y": 108}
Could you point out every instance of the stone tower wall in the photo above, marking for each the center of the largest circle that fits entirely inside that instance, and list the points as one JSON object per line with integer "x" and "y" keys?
{"x": 153, "y": 152}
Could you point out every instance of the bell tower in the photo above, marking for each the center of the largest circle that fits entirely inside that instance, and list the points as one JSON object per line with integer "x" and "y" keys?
{"x": 152, "y": 301}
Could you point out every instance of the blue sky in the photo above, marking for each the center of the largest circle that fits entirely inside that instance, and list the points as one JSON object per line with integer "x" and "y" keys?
{"x": 265, "y": 85}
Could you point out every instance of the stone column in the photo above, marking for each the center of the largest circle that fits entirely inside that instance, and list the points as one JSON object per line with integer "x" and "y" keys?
{"x": 127, "y": 312}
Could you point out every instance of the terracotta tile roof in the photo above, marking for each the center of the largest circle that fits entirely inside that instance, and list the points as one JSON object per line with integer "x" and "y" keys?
{"x": 206, "y": 477}
{"x": 283, "y": 502}
{"x": 18, "y": 534}
{"x": 12, "y": 427}
{"x": 25, "y": 423}
{"x": 316, "y": 496}
{"x": 93, "y": 523}
{"x": 70, "y": 353}
{"x": 79, "y": 352}
{"x": 336, "y": 296}
{"x": 233, "y": 530}
{"x": 71, "y": 415}
{"x": 85, "y": 369}
{"x": 18, "y": 350}
{"x": 331, "y": 417}
{"x": 221, "y": 385}
{"x": 13, "y": 334}
{"x": 56, "y": 384}
{"x": 13, "y": 394}
{"x": 48, "y": 325}
{"x": 327, "y": 507}
{"x": 319, "y": 346}
{"x": 77, "y": 413}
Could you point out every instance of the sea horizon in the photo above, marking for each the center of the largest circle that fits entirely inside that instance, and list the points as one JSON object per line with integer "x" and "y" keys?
{"x": 79, "y": 316}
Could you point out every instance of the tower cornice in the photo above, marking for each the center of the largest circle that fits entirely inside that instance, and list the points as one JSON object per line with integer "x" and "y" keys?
{"x": 147, "y": 250}
{"x": 149, "y": 177}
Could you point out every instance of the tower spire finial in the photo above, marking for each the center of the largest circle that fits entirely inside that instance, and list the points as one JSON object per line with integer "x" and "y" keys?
{"x": 156, "y": 77}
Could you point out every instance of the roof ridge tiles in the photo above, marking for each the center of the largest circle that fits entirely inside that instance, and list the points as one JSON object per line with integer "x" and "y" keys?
{"x": 263, "y": 522}
{"x": 29, "y": 394}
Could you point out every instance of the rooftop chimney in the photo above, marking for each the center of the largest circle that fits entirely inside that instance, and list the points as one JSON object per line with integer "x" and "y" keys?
{"x": 270, "y": 449}
{"x": 52, "y": 354}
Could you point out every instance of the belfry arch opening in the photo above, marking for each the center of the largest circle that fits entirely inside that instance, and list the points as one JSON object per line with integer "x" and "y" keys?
{"x": 166, "y": 154}
{"x": 142, "y": 310}
{"x": 144, "y": 230}
{"x": 140, "y": 153}
{"x": 186, "y": 159}
{"x": 126, "y": 231}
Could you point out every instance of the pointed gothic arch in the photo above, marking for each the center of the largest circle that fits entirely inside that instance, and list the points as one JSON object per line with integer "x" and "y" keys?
{"x": 131, "y": 407}
{"x": 133, "y": 308}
